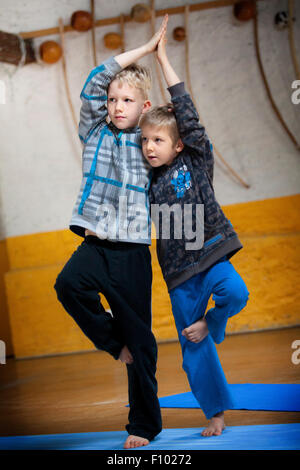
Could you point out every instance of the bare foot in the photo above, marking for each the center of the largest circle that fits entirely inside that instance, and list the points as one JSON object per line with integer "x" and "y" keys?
{"x": 215, "y": 426}
{"x": 125, "y": 356}
{"x": 197, "y": 331}
{"x": 89, "y": 232}
{"x": 135, "y": 441}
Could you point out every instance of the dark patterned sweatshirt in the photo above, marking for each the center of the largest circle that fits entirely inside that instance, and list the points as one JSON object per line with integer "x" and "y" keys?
{"x": 185, "y": 187}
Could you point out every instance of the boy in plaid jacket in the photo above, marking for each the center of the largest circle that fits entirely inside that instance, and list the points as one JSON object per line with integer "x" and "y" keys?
{"x": 112, "y": 214}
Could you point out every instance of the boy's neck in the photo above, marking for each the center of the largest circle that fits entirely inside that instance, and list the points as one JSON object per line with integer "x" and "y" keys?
{"x": 117, "y": 131}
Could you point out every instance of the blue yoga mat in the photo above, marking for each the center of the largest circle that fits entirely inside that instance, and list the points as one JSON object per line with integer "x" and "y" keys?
{"x": 262, "y": 437}
{"x": 269, "y": 397}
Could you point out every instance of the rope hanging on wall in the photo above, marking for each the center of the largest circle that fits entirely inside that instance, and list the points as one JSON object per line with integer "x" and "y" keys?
{"x": 292, "y": 40}
{"x": 261, "y": 68}
{"x": 122, "y": 32}
{"x": 67, "y": 88}
{"x": 189, "y": 83}
{"x": 93, "y": 33}
{"x": 157, "y": 69}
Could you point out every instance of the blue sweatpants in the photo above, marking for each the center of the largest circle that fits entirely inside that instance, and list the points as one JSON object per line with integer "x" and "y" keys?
{"x": 200, "y": 360}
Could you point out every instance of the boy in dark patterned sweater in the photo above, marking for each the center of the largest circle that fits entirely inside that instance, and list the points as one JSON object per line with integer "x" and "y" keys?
{"x": 178, "y": 149}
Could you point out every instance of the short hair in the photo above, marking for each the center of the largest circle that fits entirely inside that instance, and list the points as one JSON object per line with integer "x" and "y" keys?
{"x": 162, "y": 116}
{"x": 137, "y": 76}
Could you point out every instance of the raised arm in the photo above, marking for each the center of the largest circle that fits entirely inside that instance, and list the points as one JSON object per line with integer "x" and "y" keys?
{"x": 128, "y": 57}
{"x": 191, "y": 131}
{"x": 93, "y": 97}
{"x": 94, "y": 94}
{"x": 169, "y": 73}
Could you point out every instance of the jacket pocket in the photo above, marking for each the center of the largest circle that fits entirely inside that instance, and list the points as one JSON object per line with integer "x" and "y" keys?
{"x": 213, "y": 240}
{"x": 213, "y": 217}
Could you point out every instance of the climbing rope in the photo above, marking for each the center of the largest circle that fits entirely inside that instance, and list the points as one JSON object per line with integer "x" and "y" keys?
{"x": 93, "y": 33}
{"x": 186, "y": 21}
{"x": 291, "y": 39}
{"x": 122, "y": 32}
{"x": 61, "y": 32}
{"x": 261, "y": 68}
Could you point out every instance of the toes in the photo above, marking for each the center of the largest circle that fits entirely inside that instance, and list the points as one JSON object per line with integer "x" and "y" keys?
{"x": 133, "y": 442}
{"x": 142, "y": 443}
{"x": 128, "y": 443}
{"x": 195, "y": 339}
{"x": 188, "y": 334}
{"x": 211, "y": 432}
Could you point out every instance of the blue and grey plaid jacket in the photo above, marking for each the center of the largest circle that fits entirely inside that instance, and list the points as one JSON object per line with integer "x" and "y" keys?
{"x": 113, "y": 196}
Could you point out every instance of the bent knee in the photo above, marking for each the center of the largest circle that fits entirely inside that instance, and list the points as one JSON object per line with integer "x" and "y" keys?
{"x": 234, "y": 293}
{"x": 240, "y": 294}
{"x": 63, "y": 284}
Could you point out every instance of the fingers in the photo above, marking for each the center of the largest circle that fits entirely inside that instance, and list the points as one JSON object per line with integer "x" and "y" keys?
{"x": 163, "y": 38}
{"x": 153, "y": 43}
{"x": 163, "y": 27}
{"x": 164, "y": 23}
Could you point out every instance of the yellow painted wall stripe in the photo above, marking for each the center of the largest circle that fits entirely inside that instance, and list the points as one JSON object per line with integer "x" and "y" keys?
{"x": 269, "y": 264}
{"x": 277, "y": 215}
{"x": 5, "y": 330}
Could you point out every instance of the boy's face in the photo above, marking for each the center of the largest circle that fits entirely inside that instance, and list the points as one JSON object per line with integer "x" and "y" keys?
{"x": 158, "y": 147}
{"x": 125, "y": 104}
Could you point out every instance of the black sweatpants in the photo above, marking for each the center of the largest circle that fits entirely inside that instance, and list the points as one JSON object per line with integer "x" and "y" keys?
{"x": 122, "y": 273}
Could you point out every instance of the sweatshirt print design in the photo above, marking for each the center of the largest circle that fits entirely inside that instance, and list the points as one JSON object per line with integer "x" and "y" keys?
{"x": 181, "y": 181}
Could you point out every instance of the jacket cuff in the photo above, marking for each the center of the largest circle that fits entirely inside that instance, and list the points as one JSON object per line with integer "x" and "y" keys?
{"x": 112, "y": 65}
{"x": 177, "y": 90}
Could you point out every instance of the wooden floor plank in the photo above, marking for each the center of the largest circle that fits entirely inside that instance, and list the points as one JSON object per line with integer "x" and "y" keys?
{"x": 87, "y": 392}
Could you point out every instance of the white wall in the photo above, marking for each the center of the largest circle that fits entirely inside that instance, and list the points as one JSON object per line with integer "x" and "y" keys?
{"x": 40, "y": 169}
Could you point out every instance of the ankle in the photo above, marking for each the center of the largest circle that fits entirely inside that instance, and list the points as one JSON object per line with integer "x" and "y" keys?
{"x": 219, "y": 415}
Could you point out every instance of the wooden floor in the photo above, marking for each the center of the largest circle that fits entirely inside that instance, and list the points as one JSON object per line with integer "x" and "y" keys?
{"x": 88, "y": 392}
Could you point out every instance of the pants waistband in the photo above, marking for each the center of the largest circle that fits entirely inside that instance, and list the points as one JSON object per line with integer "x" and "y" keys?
{"x": 113, "y": 245}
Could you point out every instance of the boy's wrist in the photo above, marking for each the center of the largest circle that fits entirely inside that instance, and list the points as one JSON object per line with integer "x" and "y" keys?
{"x": 146, "y": 49}
{"x": 178, "y": 89}
{"x": 162, "y": 59}
{"x": 128, "y": 57}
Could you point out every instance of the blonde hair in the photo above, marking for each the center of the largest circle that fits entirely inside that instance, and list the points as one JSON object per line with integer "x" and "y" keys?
{"x": 137, "y": 76}
{"x": 162, "y": 116}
